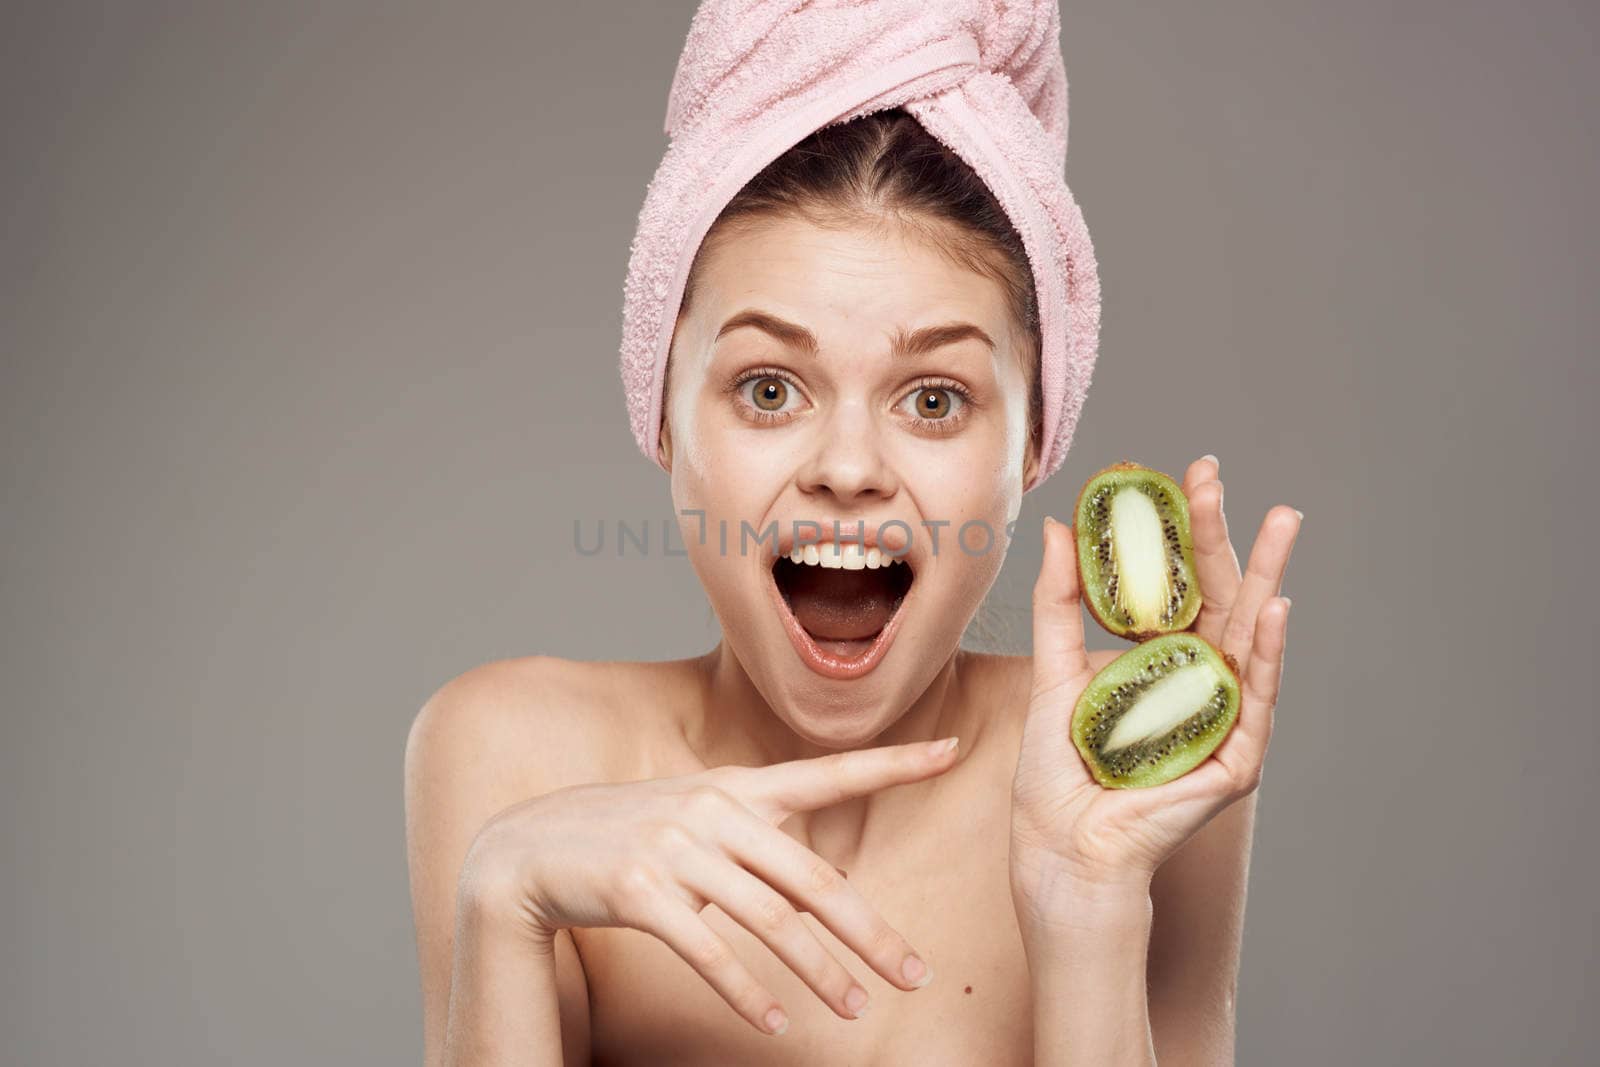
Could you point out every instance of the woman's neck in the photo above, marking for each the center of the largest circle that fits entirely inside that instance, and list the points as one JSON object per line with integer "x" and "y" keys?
{"x": 736, "y": 725}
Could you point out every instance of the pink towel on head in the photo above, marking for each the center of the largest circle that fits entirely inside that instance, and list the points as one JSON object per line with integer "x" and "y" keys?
{"x": 756, "y": 77}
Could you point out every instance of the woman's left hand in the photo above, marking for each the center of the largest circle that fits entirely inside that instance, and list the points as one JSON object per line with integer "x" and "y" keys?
{"x": 1069, "y": 834}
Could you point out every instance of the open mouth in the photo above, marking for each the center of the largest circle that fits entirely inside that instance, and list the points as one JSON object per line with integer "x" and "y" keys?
{"x": 841, "y": 605}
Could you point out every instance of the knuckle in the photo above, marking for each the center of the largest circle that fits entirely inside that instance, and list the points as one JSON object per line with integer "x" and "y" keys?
{"x": 884, "y": 942}
{"x": 668, "y": 836}
{"x": 705, "y": 799}
{"x": 710, "y": 954}
{"x": 774, "y": 913}
{"x": 821, "y": 876}
{"x": 726, "y": 779}
{"x": 633, "y": 885}
{"x": 836, "y": 767}
{"x": 1239, "y": 630}
{"x": 1048, "y": 595}
{"x": 833, "y": 772}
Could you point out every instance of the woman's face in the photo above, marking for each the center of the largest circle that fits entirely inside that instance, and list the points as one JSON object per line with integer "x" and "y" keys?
{"x": 792, "y": 407}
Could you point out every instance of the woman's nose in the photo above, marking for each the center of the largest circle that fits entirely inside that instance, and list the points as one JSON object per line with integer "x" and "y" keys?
{"x": 847, "y": 458}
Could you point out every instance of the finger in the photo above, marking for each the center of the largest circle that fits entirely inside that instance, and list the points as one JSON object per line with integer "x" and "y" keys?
{"x": 1214, "y": 559}
{"x": 1263, "y": 577}
{"x": 816, "y": 885}
{"x": 702, "y": 948}
{"x": 1200, "y": 471}
{"x": 1244, "y": 751}
{"x": 1058, "y": 653}
{"x": 769, "y": 915}
{"x": 1235, "y": 767}
{"x": 777, "y": 791}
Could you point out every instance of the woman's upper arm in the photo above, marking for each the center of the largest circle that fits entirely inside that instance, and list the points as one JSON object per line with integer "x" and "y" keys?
{"x": 472, "y": 752}
{"x": 1197, "y": 900}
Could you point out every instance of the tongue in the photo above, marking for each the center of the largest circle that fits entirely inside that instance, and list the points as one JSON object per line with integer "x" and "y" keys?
{"x": 839, "y": 605}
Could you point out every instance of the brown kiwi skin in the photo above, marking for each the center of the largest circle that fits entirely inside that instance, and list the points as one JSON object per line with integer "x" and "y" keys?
{"x": 1136, "y": 636}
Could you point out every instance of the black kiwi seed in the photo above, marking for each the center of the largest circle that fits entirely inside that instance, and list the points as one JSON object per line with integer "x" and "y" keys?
{"x": 1118, "y": 687}
{"x": 1149, "y": 602}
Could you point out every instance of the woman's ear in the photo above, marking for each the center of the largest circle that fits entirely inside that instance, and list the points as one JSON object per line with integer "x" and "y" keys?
{"x": 666, "y": 445}
{"x": 1030, "y": 461}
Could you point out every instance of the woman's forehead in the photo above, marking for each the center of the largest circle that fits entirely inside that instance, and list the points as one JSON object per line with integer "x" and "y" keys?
{"x": 845, "y": 284}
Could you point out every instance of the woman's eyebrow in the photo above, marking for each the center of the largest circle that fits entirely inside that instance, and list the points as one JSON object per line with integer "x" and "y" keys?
{"x": 916, "y": 343}
{"x": 789, "y": 333}
{"x": 921, "y": 342}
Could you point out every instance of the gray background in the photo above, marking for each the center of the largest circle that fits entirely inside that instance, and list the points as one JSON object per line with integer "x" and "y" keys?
{"x": 310, "y": 317}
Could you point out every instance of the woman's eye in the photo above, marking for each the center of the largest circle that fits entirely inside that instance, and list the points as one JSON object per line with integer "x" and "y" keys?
{"x": 935, "y": 402}
{"x": 769, "y": 394}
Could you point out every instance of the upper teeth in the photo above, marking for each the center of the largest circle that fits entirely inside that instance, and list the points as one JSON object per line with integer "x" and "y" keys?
{"x": 847, "y": 556}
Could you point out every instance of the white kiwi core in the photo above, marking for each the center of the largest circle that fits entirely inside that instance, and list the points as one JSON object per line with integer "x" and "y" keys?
{"x": 1164, "y": 705}
{"x": 1139, "y": 547}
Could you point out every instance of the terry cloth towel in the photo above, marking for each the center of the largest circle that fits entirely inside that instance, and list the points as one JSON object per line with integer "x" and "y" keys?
{"x": 756, "y": 77}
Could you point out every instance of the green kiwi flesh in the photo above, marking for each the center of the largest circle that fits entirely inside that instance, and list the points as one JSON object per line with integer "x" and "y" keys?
{"x": 1156, "y": 712}
{"x": 1136, "y": 552}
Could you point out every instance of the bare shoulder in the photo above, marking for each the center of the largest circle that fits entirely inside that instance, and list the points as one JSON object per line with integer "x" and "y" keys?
{"x": 491, "y": 737}
{"x": 532, "y": 724}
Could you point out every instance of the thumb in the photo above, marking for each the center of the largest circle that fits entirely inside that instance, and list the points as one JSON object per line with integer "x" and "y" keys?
{"x": 1058, "y": 652}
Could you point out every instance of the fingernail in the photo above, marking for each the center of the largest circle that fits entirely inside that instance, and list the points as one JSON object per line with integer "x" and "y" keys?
{"x": 1300, "y": 513}
{"x": 1287, "y": 602}
{"x": 777, "y": 1021}
{"x": 1214, "y": 461}
{"x": 856, "y": 1001}
{"x": 1048, "y": 519}
{"x": 946, "y": 746}
{"x": 916, "y": 972}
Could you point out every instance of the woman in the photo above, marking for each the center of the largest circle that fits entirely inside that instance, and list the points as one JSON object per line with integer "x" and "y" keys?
{"x": 671, "y": 863}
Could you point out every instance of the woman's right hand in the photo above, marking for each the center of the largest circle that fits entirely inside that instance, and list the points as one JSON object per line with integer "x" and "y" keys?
{"x": 651, "y": 854}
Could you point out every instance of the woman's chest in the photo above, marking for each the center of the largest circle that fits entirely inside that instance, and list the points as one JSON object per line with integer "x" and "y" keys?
{"x": 950, "y": 897}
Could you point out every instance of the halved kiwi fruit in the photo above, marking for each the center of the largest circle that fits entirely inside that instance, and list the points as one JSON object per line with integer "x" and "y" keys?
{"x": 1156, "y": 711}
{"x": 1135, "y": 552}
